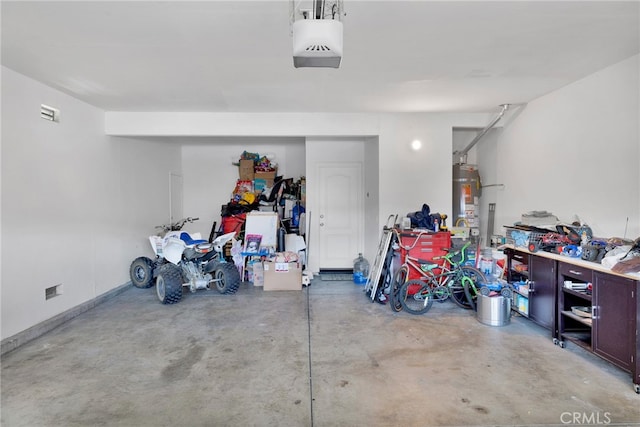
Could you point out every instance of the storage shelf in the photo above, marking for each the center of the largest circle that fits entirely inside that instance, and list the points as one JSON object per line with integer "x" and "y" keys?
{"x": 522, "y": 313}
{"x": 580, "y": 338}
{"x": 584, "y": 320}
{"x": 579, "y": 294}
{"x": 526, "y": 295}
{"x": 524, "y": 273}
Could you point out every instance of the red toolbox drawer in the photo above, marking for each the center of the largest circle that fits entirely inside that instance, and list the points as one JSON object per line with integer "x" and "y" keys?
{"x": 423, "y": 246}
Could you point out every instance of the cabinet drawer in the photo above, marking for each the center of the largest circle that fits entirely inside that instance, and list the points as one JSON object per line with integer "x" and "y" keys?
{"x": 425, "y": 247}
{"x": 576, "y": 272}
{"x": 433, "y": 242}
{"x": 426, "y": 253}
{"x": 520, "y": 257}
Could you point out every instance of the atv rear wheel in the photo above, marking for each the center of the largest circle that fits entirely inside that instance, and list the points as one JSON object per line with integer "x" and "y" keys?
{"x": 226, "y": 277}
{"x": 169, "y": 284}
{"x": 141, "y": 272}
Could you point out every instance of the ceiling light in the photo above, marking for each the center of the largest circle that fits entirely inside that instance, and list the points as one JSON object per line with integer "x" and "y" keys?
{"x": 416, "y": 144}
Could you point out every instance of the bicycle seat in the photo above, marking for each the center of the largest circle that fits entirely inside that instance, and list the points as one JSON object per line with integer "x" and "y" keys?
{"x": 426, "y": 265}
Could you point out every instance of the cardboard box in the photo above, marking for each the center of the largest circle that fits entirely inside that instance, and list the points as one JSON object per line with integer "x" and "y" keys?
{"x": 268, "y": 177}
{"x": 246, "y": 170}
{"x": 282, "y": 276}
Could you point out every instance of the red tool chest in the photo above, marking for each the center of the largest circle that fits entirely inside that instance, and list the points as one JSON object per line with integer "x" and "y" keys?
{"x": 424, "y": 246}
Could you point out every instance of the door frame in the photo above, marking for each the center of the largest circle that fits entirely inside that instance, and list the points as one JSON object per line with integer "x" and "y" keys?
{"x": 360, "y": 209}
{"x": 337, "y": 150}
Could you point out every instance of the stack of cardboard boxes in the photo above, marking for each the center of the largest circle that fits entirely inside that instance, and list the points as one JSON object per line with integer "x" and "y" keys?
{"x": 259, "y": 178}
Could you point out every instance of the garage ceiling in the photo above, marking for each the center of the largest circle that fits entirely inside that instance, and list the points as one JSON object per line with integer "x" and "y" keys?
{"x": 235, "y": 56}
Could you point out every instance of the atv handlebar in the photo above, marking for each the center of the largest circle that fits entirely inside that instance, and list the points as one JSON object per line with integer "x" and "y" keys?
{"x": 176, "y": 226}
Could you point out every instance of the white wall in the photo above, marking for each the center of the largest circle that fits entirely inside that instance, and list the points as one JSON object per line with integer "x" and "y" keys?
{"x": 576, "y": 151}
{"x": 409, "y": 178}
{"x": 372, "y": 231}
{"x": 76, "y": 205}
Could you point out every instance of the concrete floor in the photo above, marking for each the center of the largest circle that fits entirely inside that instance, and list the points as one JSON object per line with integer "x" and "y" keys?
{"x": 325, "y": 356}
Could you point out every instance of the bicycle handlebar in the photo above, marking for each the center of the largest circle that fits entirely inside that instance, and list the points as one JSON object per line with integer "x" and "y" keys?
{"x": 420, "y": 234}
{"x": 408, "y": 248}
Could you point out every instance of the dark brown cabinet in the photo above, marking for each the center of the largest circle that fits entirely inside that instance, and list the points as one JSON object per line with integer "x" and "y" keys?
{"x": 539, "y": 275}
{"x": 613, "y": 319}
{"x": 581, "y": 303}
{"x": 602, "y": 317}
{"x": 542, "y": 291}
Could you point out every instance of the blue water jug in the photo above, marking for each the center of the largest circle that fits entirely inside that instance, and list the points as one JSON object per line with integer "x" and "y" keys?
{"x": 360, "y": 270}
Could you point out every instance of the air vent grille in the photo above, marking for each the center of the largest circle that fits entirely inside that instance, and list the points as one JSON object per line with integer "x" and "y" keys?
{"x": 49, "y": 113}
{"x": 318, "y": 48}
{"x": 52, "y": 291}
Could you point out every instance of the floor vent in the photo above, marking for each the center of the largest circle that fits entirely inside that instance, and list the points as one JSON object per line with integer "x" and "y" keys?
{"x": 49, "y": 113}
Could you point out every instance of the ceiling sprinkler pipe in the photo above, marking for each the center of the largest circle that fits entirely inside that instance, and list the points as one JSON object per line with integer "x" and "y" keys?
{"x": 463, "y": 153}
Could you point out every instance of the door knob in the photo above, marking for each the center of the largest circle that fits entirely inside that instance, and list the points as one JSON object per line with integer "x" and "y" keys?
{"x": 321, "y": 224}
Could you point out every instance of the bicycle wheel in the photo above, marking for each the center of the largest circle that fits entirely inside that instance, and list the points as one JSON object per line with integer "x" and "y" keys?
{"x": 457, "y": 295}
{"x": 471, "y": 279}
{"x": 415, "y": 297}
{"x": 399, "y": 278}
{"x": 457, "y": 288}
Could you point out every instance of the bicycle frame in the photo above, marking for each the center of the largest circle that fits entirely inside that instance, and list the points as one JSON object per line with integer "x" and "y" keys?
{"x": 439, "y": 280}
{"x": 448, "y": 268}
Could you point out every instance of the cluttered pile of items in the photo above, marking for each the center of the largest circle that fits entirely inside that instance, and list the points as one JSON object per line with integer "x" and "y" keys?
{"x": 266, "y": 215}
{"x": 541, "y": 230}
{"x": 431, "y": 267}
{"x": 435, "y": 265}
{"x": 260, "y": 188}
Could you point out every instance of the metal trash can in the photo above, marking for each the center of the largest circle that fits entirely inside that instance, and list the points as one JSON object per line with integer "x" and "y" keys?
{"x": 494, "y": 311}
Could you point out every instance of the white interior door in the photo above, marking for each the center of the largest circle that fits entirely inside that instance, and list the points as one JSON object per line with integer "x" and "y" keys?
{"x": 340, "y": 214}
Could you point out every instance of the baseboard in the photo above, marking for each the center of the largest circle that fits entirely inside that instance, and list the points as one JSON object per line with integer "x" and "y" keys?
{"x": 336, "y": 271}
{"x": 21, "y": 338}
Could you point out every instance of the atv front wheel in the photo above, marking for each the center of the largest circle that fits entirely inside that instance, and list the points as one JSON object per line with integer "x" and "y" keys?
{"x": 169, "y": 284}
{"x": 226, "y": 278}
{"x": 141, "y": 272}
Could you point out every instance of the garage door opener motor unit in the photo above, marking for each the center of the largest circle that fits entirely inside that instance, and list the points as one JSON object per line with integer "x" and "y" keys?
{"x": 317, "y": 35}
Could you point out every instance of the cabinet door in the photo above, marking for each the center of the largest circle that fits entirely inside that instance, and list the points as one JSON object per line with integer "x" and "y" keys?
{"x": 542, "y": 291}
{"x": 613, "y": 323}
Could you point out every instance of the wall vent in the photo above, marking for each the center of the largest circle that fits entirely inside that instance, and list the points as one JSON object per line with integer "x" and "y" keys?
{"x": 49, "y": 113}
{"x": 52, "y": 291}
